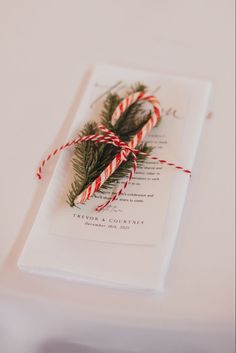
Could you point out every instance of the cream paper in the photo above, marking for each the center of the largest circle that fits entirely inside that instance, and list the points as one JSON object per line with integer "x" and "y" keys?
{"x": 130, "y": 243}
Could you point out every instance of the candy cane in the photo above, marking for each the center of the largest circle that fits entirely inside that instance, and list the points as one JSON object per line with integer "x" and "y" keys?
{"x": 126, "y": 148}
{"x": 121, "y": 157}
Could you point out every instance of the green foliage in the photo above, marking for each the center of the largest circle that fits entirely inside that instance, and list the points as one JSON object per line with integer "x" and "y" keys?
{"x": 111, "y": 102}
{"x": 90, "y": 159}
{"x": 137, "y": 87}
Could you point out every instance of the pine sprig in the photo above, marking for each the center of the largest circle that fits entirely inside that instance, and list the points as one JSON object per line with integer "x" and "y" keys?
{"x": 137, "y": 87}
{"x": 84, "y": 160}
{"x": 90, "y": 159}
{"x": 111, "y": 102}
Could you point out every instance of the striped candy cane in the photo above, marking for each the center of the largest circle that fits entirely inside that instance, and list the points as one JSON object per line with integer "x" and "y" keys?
{"x": 121, "y": 157}
{"x": 126, "y": 148}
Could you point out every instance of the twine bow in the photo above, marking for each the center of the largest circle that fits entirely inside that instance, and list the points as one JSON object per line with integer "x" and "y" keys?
{"x": 126, "y": 148}
{"x": 110, "y": 138}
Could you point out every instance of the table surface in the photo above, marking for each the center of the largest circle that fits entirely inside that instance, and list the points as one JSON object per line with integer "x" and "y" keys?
{"x": 46, "y": 49}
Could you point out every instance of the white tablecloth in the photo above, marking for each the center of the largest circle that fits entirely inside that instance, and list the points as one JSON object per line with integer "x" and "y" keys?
{"x": 46, "y": 48}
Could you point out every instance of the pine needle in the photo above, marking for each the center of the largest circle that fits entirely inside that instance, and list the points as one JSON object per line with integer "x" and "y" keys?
{"x": 90, "y": 159}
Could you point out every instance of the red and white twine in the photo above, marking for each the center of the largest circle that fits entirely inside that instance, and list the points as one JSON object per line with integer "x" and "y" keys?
{"x": 126, "y": 148}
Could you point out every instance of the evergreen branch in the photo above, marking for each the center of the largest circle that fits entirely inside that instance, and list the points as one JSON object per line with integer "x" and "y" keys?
{"x": 137, "y": 87}
{"x": 90, "y": 159}
{"x": 111, "y": 102}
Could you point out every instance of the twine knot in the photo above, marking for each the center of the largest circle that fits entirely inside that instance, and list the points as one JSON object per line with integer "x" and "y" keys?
{"x": 110, "y": 137}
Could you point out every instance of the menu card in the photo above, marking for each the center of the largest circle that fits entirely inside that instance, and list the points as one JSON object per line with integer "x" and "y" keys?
{"x": 128, "y": 244}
